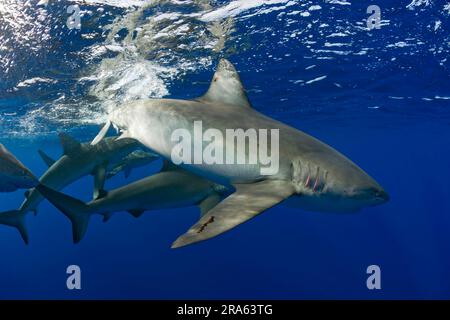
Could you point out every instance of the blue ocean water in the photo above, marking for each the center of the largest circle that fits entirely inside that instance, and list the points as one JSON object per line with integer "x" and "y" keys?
{"x": 379, "y": 96}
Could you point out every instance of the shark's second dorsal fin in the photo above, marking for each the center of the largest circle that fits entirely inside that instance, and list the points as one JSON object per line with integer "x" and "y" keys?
{"x": 69, "y": 144}
{"x": 226, "y": 87}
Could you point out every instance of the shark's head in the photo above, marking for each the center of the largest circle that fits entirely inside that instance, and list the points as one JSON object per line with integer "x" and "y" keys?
{"x": 335, "y": 185}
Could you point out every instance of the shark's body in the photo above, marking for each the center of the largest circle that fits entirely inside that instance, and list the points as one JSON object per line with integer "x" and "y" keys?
{"x": 135, "y": 159}
{"x": 170, "y": 188}
{"x": 318, "y": 176}
{"x": 13, "y": 174}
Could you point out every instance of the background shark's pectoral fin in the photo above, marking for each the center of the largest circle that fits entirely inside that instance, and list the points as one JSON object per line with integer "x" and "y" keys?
{"x": 99, "y": 179}
{"x": 209, "y": 203}
{"x": 248, "y": 201}
{"x": 69, "y": 144}
{"x": 47, "y": 159}
{"x": 102, "y": 133}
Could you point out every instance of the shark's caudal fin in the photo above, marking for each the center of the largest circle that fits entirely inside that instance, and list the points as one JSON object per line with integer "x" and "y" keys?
{"x": 47, "y": 159}
{"x": 248, "y": 201}
{"x": 16, "y": 219}
{"x": 77, "y": 211}
{"x": 226, "y": 87}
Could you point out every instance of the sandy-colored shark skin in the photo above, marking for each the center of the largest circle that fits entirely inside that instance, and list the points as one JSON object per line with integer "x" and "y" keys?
{"x": 312, "y": 174}
{"x": 170, "y": 188}
{"x": 13, "y": 174}
{"x": 78, "y": 161}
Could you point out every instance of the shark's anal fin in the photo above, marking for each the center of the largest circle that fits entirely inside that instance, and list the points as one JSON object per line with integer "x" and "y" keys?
{"x": 209, "y": 203}
{"x": 47, "y": 159}
{"x": 99, "y": 179}
{"x": 71, "y": 147}
{"x": 226, "y": 87}
{"x": 248, "y": 201}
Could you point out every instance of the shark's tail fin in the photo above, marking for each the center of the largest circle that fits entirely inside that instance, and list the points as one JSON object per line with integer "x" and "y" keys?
{"x": 77, "y": 211}
{"x": 16, "y": 219}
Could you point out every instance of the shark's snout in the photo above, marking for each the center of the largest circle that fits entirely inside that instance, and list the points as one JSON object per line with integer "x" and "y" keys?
{"x": 374, "y": 195}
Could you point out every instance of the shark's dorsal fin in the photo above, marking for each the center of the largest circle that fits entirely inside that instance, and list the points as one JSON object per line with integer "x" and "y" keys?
{"x": 69, "y": 144}
{"x": 226, "y": 87}
{"x": 48, "y": 161}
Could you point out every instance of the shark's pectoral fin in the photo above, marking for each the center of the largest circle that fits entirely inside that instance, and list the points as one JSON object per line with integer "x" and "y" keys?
{"x": 99, "y": 179}
{"x": 47, "y": 159}
{"x": 248, "y": 201}
{"x": 136, "y": 212}
{"x": 71, "y": 147}
{"x": 209, "y": 203}
{"x": 102, "y": 133}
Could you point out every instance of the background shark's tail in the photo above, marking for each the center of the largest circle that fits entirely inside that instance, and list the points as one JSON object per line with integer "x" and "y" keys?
{"x": 77, "y": 211}
{"x": 16, "y": 219}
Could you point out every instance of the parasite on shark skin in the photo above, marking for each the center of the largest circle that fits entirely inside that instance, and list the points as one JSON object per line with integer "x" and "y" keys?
{"x": 311, "y": 174}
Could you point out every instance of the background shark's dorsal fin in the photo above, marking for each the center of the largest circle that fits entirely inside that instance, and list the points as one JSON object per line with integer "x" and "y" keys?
{"x": 169, "y": 166}
{"x": 226, "y": 87}
{"x": 48, "y": 161}
{"x": 69, "y": 144}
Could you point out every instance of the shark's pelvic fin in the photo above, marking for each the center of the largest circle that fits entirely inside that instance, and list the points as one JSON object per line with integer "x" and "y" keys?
{"x": 248, "y": 201}
{"x": 16, "y": 219}
{"x": 47, "y": 159}
{"x": 127, "y": 172}
{"x": 77, "y": 212}
{"x": 136, "y": 212}
{"x": 102, "y": 133}
{"x": 226, "y": 87}
{"x": 99, "y": 179}
{"x": 70, "y": 145}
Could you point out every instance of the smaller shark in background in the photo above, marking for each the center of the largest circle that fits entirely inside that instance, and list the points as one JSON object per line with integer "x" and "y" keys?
{"x": 173, "y": 187}
{"x": 138, "y": 158}
{"x": 13, "y": 174}
{"x": 135, "y": 159}
{"x": 77, "y": 161}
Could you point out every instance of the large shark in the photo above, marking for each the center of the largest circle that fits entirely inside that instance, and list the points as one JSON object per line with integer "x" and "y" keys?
{"x": 13, "y": 174}
{"x": 78, "y": 160}
{"x": 170, "y": 188}
{"x": 312, "y": 174}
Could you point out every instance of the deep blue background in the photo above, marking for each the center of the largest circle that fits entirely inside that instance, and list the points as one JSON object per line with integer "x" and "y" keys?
{"x": 283, "y": 253}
